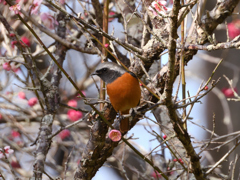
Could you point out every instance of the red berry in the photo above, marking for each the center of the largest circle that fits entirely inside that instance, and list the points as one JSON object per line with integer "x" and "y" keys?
{"x": 205, "y": 88}
{"x": 165, "y": 137}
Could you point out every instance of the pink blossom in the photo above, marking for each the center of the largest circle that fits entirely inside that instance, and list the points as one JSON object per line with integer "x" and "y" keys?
{"x": 13, "y": 43}
{"x": 48, "y": 20}
{"x": 26, "y": 41}
{"x": 12, "y": 35}
{"x": 106, "y": 45}
{"x": 111, "y": 13}
{"x": 15, "y": 134}
{"x": 72, "y": 103}
{"x": 234, "y": 29}
{"x": 15, "y": 164}
{"x": 180, "y": 160}
{"x": 7, "y": 66}
{"x": 160, "y": 7}
{"x": 36, "y": 6}
{"x": 115, "y": 135}
{"x": 62, "y": 1}
{"x": 22, "y": 95}
{"x": 84, "y": 93}
{"x": 9, "y": 93}
{"x": 32, "y": 101}
{"x": 228, "y": 92}
{"x": 7, "y": 151}
{"x": 64, "y": 133}
{"x": 156, "y": 175}
{"x": 16, "y": 8}
{"x": 165, "y": 137}
{"x": 15, "y": 69}
{"x": 74, "y": 115}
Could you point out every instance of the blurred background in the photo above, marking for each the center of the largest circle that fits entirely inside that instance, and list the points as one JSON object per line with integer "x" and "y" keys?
{"x": 21, "y": 112}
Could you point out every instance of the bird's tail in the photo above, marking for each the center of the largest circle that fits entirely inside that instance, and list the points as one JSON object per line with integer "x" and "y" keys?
{"x": 124, "y": 123}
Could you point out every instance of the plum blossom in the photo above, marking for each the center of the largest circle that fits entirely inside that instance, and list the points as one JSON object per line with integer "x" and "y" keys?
{"x": 160, "y": 7}
{"x": 15, "y": 164}
{"x": 64, "y": 133}
{"x": 13, "y": 43}
{"x": 115, "y": 135}
{"x": 6, "y": 150}
{"x": 26, "y": 41}
{"x": 7, "y": 66}
{"x": 48, "y": 20}
{"x": 15, "y": 134}
{"x": 15, "y": 69}
{"x": 16, "y": 8}
{"x": 74, "y": 115}
{"x": 228, "y": 92}
{"x": 111, "y": 13}
{"x": 234, "y": 29}
{"x": 32, "y": 101}
{"x": 62, "y": 1}
{"x": 72, "y": 103}
{"x": 21, "y": 95}
{"x": 79, "y": 96}
{"x": 36, "y": 6}
{"x": 156, "y": 175}
{"x": 12, "y": 35}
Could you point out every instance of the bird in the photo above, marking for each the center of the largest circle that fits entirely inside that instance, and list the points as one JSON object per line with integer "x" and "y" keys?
{"x": 123, "y": 89}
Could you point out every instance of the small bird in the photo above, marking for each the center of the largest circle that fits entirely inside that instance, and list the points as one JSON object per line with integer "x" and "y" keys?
{"x": 123, "y": 89}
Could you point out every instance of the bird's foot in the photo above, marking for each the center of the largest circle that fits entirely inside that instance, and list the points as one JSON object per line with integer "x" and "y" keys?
{"x": 133, "y": 113}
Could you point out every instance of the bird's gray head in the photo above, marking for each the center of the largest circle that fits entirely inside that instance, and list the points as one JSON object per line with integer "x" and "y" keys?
{"x": 109, "y": 71}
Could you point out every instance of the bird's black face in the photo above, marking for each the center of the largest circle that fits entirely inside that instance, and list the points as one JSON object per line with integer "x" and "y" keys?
{"x": 101, "y": 72}
{"x": 108, "y": 72}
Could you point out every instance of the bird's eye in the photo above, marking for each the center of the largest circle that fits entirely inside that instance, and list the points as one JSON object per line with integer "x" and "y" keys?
{"x": 104, "y": 69}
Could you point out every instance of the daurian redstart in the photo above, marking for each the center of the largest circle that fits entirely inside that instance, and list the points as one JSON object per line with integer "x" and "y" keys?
{"x": 123, "y": 89}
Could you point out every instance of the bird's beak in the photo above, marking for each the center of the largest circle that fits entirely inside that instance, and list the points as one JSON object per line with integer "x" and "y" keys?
{"x": 95, "y": 73}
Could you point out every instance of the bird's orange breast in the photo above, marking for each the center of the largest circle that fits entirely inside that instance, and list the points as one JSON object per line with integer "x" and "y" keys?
{"x": 124, "y": 93}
